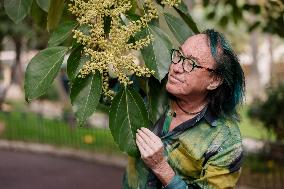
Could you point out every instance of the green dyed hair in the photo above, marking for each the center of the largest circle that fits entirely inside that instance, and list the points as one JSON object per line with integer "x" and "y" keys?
{"x": 225, "y": 99}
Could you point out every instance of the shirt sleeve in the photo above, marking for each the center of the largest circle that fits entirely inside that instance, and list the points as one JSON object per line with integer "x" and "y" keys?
{"x": 221, "y": 169}
{"x": 177, "y": 183}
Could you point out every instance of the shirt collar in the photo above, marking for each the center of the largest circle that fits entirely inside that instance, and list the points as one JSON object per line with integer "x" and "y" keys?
{"x": 210, "y": 117}
{"x": 190, "y": 123}
{"x": 206, "y": 113}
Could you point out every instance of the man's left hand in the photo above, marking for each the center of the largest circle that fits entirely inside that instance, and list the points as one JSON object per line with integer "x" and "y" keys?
{"x": 150, "y": 147}
{"x": 152, "y": 153}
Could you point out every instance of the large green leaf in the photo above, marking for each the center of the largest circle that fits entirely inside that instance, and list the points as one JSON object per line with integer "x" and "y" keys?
{"x": 183, "y": 12}
{"x": 85, "y": 96}
{"x": 42, "y": 70}
{"x": 157, "y": 54}
{"x": 158, "y": 98}
{"x": 17, "y": 10}
{"x": 178, "y": 27}
{"x": 127, "y": 114}
{"x": 43, "y": 4}
{"x": 75, "y": 62}
{"x": 163, "y": 25}
{"x": 60, "y": 34}
{"x": 54, "y": 13}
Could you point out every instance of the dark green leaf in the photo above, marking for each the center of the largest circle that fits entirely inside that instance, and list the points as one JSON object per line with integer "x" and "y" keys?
{"x": 211, "y": 14}
{"x": 157, "y": 98}
{"x": 85, "y": 96}
{"x": 43, "y": 4}
{"x": 246, "y": 7}
{"x": 236, "y": 14}
{"x": 38, "y": 15}
{"x": 157, "y": 54}
{"x": 183, "y": 12}
{"x": 252, "y": 8}
{"x": 127, "y": 114}
{"x": 54, "y": 13}
{"x": 61, "y": 33}
{"x": 178, "y": 27}
{"x": 75, "y": 62}
{"x": 107, "y": 23}
{"x": 42, "y": 70}
{"x": 17, "y": 10}
{"x": 163, "y": 25}
{"x": 205, "y": 2}
{"x": 224, "y": 21}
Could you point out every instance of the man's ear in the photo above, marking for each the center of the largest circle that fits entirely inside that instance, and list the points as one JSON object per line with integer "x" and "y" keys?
{"x": 215, "y": 82}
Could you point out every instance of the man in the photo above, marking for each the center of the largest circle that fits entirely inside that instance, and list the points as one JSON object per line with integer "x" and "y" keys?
{"x": 197, "y": 142}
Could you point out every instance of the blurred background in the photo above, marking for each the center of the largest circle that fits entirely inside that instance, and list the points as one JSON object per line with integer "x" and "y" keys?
{"x": 40, "y": 142}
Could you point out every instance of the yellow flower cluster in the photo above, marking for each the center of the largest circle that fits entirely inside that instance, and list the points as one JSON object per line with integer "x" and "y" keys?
{"x": 171, "y": 2}
{"x": 111, "y": 50}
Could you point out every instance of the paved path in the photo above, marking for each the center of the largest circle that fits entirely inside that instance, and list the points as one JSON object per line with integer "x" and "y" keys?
{"x": 23, "y": 170}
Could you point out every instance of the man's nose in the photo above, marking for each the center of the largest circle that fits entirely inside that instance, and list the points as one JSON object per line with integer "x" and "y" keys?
{"x": 177, "y": 68}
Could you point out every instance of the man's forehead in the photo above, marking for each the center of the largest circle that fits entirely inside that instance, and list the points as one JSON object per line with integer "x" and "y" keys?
{"x": 197, "y": 40}
{"x": 199, "y": 47}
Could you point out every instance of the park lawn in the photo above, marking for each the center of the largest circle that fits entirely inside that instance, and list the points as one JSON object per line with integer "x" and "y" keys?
{"x": 33, "y": 128}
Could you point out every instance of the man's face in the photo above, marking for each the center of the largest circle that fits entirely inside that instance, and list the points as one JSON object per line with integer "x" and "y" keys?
{"x": 196, "y": 82}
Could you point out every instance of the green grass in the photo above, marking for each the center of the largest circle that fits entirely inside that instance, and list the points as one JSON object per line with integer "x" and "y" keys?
{"x": 32, "y": 128}
{"x": 253, "y": 128}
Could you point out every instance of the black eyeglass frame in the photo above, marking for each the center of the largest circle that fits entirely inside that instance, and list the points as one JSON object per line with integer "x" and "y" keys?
{"x": 191, "y": 61}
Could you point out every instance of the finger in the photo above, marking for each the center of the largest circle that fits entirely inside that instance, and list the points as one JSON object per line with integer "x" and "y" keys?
{"x": 150, "y": 143}
{"x": 151, "y": 135}
{"x": 147, "y": 139}
{"x": 143, "y": 144}
{"x": 141, "y": 149}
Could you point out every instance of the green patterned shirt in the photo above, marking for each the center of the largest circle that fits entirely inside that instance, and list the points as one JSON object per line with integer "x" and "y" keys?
{"x": 204, "y": 152}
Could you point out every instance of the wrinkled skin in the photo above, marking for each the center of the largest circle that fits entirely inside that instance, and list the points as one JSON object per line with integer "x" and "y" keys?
{"x": 151, "y": 147}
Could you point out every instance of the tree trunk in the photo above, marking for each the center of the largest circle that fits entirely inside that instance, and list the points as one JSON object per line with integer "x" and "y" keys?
{"x": 3, "y": 89}
{"x": 17, "y": 72}
{"x": 271, "y": 58}
{"x": 254, "y": 85}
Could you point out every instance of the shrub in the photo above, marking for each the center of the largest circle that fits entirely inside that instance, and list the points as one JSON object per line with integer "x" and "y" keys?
{"x": 271, "y": 111}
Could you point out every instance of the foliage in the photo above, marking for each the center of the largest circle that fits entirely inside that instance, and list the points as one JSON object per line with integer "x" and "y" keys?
{"x": 101, "y": 37}
{"x": 271, "y": 111}
{"x": 267, "y": 15}
{"x": 39, "y": 76}
{"x": 17, "y": 10}
{"x": 253, "y": 128}
{"x": 8, "y": 28}
{"x": 127, "y": 114}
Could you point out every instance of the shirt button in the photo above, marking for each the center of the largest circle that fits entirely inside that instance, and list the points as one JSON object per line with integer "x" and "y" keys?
{"x": 214, "y": 123}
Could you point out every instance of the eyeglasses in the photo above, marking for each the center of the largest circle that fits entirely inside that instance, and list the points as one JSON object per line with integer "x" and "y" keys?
{"x": 188, "y": 63}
